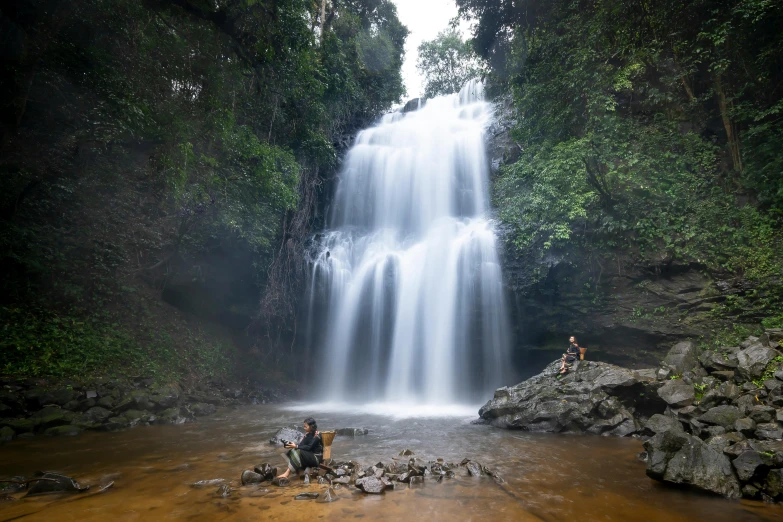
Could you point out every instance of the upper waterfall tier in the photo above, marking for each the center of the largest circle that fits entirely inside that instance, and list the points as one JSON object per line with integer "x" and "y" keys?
{"x": 415, "y": 168}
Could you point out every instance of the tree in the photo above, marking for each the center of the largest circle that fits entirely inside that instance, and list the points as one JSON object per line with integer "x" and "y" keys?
{"x": 447, "y": 63}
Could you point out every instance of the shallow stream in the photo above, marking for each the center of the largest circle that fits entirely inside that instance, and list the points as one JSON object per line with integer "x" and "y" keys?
{"x": 547, "y": 477}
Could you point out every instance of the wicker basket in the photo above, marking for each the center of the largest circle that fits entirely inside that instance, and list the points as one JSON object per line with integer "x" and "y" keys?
{"x": 582, "y": 353}
{"x": 327, "y": 437}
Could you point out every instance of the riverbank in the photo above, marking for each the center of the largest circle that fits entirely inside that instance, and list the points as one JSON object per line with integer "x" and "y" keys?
{"x": 30, "y": 407}
{"x": 547, "y": 476}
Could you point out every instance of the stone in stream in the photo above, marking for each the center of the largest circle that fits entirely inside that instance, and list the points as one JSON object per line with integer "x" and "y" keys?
{"x": 54, "y": 483}
{"x": 406, "y": 452}
{"x": 266, "y": 471}
{"x": 308, "y": 495}
{"x": 371, "y": 485}
{"x": 251, "y": 477}
{"x": 207, "y": 483}
{"x": 280, "y": 482}
{"x": 474, "y": 469}
{"x": 327, "y": 496}
{"x": 352, "y": 432}
{"x": 224, "y": 491}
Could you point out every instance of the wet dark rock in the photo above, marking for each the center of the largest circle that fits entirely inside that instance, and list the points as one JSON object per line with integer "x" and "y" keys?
{"x": 746, "y": 426}
{"x": 724, "y": 375}
{"x": 54, "y": 483}
{"x": 51, "y": 416}
{"x": 659, "y": 423}
{"x": 116, "y": 423}
{"x": 98, "y": 414}
{"x": 406, "y": 452}
{"x": 594, "y": 397}
{"x": 224, "y": 491}
{"x": 309, "y": 495}
{"x": 280, "y": 482}
{"x": 327, "y": 496}
{"x": 677, "y": 393}
{"x": 682, "y": 357}
{"x": 266, "y": 471}
{"x": 725, "y": 415}
{"x": 725, "y": 393}
{"x": 718, "y": 361}
{"x": 371, "y": 485}
{"x": 68, "y": 430}
{"x": 678, "y": 458}
{"x": 747, "y": 464}
{"x": 773, "y": 484}
{"x": 7, "y": 434}
{"x": 251, "y": 477}
{"x": 753, "y": 360}
{"x": 416, "y": 481}
{"x": 769, "y": 430}
{"x": 352, "y": 432}
{"x": 173, "y": 416}
{"x": 474, "y": 469}
{"x": 761, "y": 413}
{"x": 201, "y": 409}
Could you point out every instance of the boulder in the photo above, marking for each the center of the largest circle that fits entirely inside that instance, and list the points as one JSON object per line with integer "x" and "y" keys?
{"x": 717, "y": 361}
{"x": 725, "y": 393}
{"x": 594, "y": 397}
{"x": 769, "y": 431}
{"x": 747, "y": 464}
{"x": 773, "y": 484}
{"x": 761, "y": 413}
{"x": 201, "y": 409}
{"x": 54, "y": 483}
{"x": 659, "y": 423}
{"x": 68, "y": 430}
{"x": 351, "y": 432}
{"x": 97, "y": 414}
{"x": 173, "y": 416}
{"x": 52, "y": 416}
{"x": 746, "y": 426}
{"x": 753, "y": 360}
{"x": 6, "y": 434}
{"x": 371, "y": 485}
{"x": 678, "y": 458}
{"x": 682, "y": 357}
{"x": 724, "y": 415}
{"x": 724, "y": 375}
{"x": 677, "y": 393}
{"x": 250, "y": 477}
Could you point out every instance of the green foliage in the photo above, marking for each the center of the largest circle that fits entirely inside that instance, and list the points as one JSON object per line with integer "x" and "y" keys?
{"x": 447, "y": 63}
{"x": 143, "y": 141}
{"x": 39, "y": 343}
{"x": 648, "y": 132}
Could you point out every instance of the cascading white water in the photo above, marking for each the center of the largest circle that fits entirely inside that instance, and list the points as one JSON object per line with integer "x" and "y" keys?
{"x": 412, "y": 307}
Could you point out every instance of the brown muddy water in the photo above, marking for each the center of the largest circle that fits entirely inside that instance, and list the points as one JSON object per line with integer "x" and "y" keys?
{"x": 548, "y": 477}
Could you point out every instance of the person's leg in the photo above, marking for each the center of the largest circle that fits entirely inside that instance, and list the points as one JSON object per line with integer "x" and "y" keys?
{"x": 289, "y": 466}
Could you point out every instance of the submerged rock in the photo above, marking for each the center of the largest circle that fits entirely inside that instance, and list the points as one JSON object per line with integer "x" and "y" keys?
{"x": 309, "y": 495}
{"x": 207, "y": 483}
{"x": 54, "y": 483}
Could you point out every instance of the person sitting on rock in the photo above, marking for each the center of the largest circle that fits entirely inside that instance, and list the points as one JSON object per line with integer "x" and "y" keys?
{"x": 307, "y": 453}
{"x": 572, "y": 353}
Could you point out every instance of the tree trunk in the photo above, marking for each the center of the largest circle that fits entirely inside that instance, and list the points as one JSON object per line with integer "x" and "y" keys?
{"x": 731, "y": 130}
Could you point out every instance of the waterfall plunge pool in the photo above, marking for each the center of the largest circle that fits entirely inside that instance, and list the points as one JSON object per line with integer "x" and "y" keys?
{"x": 547, "y": 477}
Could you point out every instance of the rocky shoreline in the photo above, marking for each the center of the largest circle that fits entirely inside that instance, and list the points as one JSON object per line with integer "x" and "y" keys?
{"x": 35, "y": 406}
{"x": 710, "y": 420}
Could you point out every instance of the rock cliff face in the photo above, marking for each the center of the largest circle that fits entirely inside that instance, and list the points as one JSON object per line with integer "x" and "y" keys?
{"x": 625, "y": 313}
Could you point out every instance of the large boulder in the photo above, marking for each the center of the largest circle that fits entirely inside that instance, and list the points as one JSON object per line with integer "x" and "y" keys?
{"x": 594, "y": 397}
{"x": 677, "y": 393}
{"x": 753, "y": 360}
{"x": 679, "y": 458}
{"x": 683, "y": 356}
{"x": 725, "y": 415}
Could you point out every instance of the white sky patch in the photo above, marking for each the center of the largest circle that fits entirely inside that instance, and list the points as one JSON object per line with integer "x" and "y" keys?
{"x": 424, "y": 19}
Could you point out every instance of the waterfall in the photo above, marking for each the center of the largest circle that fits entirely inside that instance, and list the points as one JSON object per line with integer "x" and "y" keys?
{"x": 407, "y": 274}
